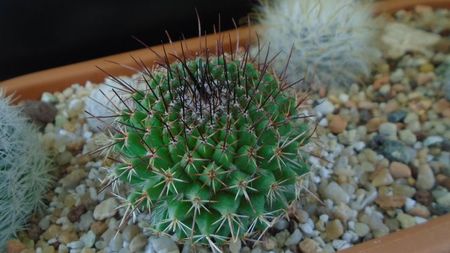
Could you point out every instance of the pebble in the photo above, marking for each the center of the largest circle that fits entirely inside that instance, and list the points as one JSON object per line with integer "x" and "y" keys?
{"x": 324, "y": 107}
{"x": 161, "y": 245}
{"x": 425, "y": 178}
{"x": 399, "y": 170}
{"x": 334, "y": 192}
{"x": 397, "y": 151}
{"x": 396, "y": 116}
{"x": 337, "y": 124}
{"x": 334, "y": 229}
{"x": 361, "y": 229}
{"x": 406, "y": 220}
{"x": 235, "y": 246}
{"x": 309, "y": 246}
{"x": 444, "y": 200}
{"x": 88, "y": 239}
{"x": 39, "y": 112}
{"x": 407, "y": 137}
{"x": 390, "y": 202}
{"x": 433, "y": 140}
{"x": 388, "y": 130}
{"x": 382, "y": 177}
{"x": 294, "y": 238}
{"x": 137, "y": 243}
{"x": 73, "y": 178}
{"x": 116, "y": 242}
{"x": 107, "y": 208}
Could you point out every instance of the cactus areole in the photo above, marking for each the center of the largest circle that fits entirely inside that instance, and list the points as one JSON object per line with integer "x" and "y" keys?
{"x": 211, "y": 146}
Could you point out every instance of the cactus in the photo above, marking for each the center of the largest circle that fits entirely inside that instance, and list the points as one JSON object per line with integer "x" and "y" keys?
{"x": 329, "y": 42}
{"x": 211, "y": 147}
{"x": 24, "y": 170}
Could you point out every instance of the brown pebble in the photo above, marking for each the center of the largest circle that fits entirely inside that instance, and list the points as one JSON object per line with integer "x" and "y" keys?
{"x": 424, "y": 197}
{"x": 443, "y": 180}
{"x": 390, "y": 202}
{"x": 380, "y": 81}
{"x": 421, "y": 212}
{"x": 373, "y": 124}
{"x": 75, "y": 213}
{"x": 68, "y": 236}
{"x": 40, "y": 112}
{"x": 399, "y": 170}
{"x": 99, "y": 227}
{"x": 15, "y": 246}
{"x": 337, "y": 124}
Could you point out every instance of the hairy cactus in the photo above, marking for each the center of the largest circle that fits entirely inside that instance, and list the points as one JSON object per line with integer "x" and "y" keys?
{"x": 211, "y": 147}
{"x": 329, "y": 42}
{"x": 24, "y": 171}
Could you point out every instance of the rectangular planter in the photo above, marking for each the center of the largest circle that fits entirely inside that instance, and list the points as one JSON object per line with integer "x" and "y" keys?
{"x": 432, "y": 237}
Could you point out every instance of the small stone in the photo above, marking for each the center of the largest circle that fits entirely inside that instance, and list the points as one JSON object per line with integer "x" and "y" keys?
{"x": 281, "y": 224}
{"x": 106, "y": 209}
{"x": 15, "y": 246}
{"x": 427, "y": 67}
{"x": 52, "y": 232}
{"x": 419, "y": 210}
{"x": 137, "y": 243}
{"x": 73, "y": 178}
{"x": 39, "y": 112}
{"x": 44, "y": 223}
{"x": 294, "y": 238}
{"x": 400, "y": 170}
{"x": 337, "y": 124}
{"x": 396, "y": 116}
{"x": 67, "y": 237}
{"x": 86, "y": 220}
{"x": 340, "y": 244}
{"x": 334, "y": 229}
{"x": 406, "y": 220}
{"x": 99, "y": 227}
{"x": 433, "y": 140}
{"x": 163, "y": 245}
{"x": 444, "y": 200}
{"x": 390, "y": 202}
{"x": 235, "y": 246}
{"x": 388, "y": 130}
{"x": 116, "y": 243}
{"x": 407, "y": 136}
{"x": 425, "y": 178}
{"x": 334, "y": 192}
{"x": 130, "y": 231}
{"x": 361, "y": 229}
{"x": 324, "y": 107}
{"x": 381, "y": 177}
{"x": 75, "y": 213}
{"x": 309, "y": 246}
{"x": 88, "y": 239}
{"x": 87, "y": 250}
{"x": 373, "y": 124}
{"x": 424, "y": 197}
{"x": 397, "y": 151}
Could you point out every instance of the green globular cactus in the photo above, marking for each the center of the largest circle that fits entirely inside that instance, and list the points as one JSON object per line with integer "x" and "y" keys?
{"x": 211, "y": 147}
{"x": 24, "y": 171}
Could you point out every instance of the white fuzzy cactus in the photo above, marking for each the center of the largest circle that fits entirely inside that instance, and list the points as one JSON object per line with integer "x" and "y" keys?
{"x": 332, "y": 41}
{"x": 24, "y": 171}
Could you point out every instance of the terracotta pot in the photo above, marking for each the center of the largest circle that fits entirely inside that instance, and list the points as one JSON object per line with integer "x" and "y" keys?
{"x": 432, "y": 237}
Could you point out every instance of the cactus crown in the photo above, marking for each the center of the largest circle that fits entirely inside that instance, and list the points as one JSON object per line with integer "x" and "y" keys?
{"x": 211, "y": 146}
{"x": 332, "y": 42}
